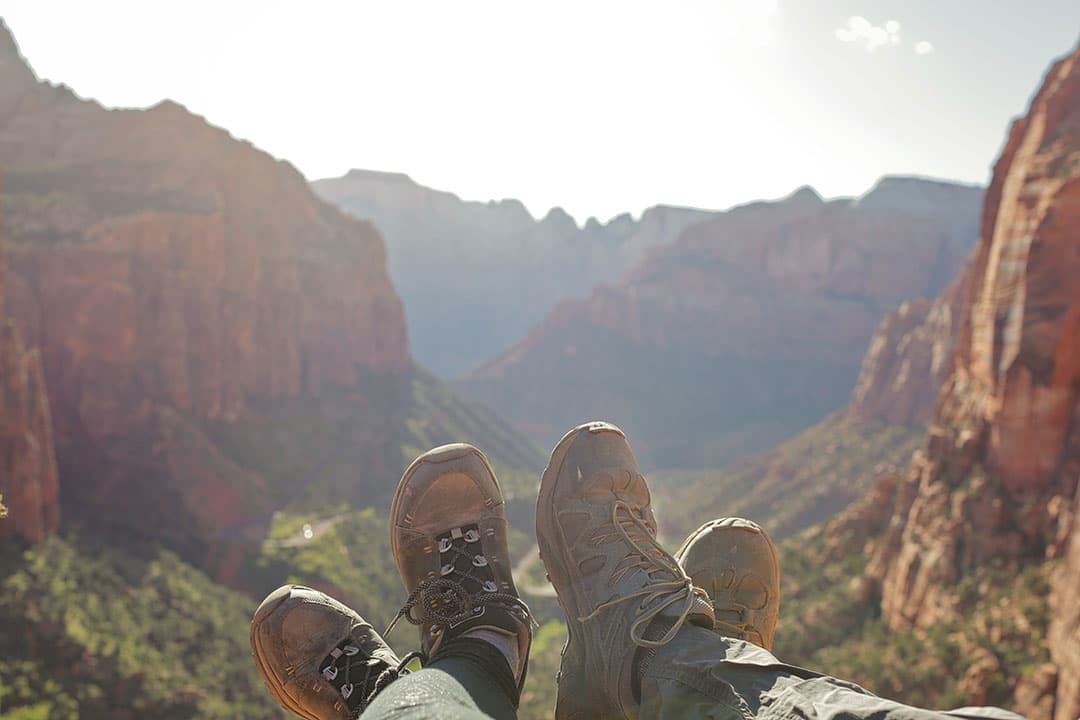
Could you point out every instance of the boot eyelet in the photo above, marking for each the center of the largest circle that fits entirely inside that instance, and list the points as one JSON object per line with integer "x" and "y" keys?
{"x": 472, "y": 536}
{"x": 330, "y": 672}
{"x": 346, "y": 690}
{"x": 490, "y": 586}
{"x": 446, "y": 569}
{"x": 479, "y": 561}
{"x": 444, "y": 545}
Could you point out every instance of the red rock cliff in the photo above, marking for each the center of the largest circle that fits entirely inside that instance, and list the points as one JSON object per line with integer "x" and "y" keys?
{"x": 28, "y": 478}
{"x": 909, "y": 359}
{"x": 155, "y": 258}
{"x": 748, "y": 328}
{"x": 1000, "y": 472}
{"x": 173, "y": 276}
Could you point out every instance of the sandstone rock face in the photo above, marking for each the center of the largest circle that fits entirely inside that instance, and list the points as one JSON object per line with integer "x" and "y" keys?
{"x": 175, "y": 278}
{"x": 908, "y": 360}
{"x": 1002, "y": 466}
{"x": 474, "y": 277}
{"x": 28, "y": 476}
{"x": 748, "y": 328}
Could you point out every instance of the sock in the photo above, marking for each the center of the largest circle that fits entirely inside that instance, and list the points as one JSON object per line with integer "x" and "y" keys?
{"x": 504, "y": 643}
{"x": 488, "y": 657}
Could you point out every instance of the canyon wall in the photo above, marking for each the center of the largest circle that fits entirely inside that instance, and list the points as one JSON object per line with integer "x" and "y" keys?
{"x": 997, "y": 482}
{"x": 186, "y": 291}
{"x": 28, "y": 476}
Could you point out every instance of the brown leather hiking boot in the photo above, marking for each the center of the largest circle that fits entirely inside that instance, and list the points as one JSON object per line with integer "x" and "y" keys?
{"x": 622, "y": 593}
{"x": 319, "y": 659}
{"x": 734, "y": 560}
{"x": 448, "y": 536}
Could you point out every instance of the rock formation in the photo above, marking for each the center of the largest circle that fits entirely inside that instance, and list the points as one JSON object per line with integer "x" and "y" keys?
{"x": 908, "y": 360}
{"x": 474, "y": 277}
{"x": 998, "y": 481}
{"x": 28, "y": 477}
{"x": 747, "y": 329}
{"x": 180, "y": 283}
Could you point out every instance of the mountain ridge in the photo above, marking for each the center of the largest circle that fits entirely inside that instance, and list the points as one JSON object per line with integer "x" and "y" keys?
{"x": 752, "y": 323}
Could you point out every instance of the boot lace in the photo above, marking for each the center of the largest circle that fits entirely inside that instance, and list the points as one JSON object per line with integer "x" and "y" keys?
{"x": 464, "y": 587}
{"x": 732, "y": 622}
{"x": 360, "y": 678}
{"x": 668, "y": 584}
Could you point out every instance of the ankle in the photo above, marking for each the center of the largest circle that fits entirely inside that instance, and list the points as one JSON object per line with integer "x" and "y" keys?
{"x": 508, "y": 644}
{"x": 488, "y": 657}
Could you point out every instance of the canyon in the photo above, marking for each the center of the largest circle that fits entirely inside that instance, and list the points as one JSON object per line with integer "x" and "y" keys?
{"x": 748, "y": 328}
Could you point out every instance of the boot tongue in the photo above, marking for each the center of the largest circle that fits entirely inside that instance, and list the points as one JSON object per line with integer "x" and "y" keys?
{"x": 701, "y": 612}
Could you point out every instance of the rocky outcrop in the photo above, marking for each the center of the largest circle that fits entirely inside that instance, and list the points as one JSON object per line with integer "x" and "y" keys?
{"x": 998, "y": 480}
{"x": 747, "y": 329}
{"x": 176, "y": 278}
{"x": 908, "y": 360}
{"x": 474, "y": 277}
{"x": 28, "y": 477}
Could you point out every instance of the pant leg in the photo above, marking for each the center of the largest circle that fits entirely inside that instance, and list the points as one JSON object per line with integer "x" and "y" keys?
{"x": 702, "y": 675}
{"x": 453, "y": 686}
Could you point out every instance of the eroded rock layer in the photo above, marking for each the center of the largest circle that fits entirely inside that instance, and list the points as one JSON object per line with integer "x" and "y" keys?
{"x": 998, "y": 480}
{"x": 28, "y": 477}
{"x": 180, "y": 283}
{"x": 750, "y": 327}
{"x": 908, "y": 360}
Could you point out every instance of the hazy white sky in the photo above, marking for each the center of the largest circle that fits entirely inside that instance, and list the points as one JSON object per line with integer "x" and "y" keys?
{"x": 600, "y": 106}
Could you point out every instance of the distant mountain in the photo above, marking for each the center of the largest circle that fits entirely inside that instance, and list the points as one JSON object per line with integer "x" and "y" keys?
{"x": 474, "y": 277}
{"x": 747, "y": 329}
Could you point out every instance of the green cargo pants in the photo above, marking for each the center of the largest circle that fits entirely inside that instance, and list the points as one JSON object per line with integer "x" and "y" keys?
{"x": 697, "y": 675}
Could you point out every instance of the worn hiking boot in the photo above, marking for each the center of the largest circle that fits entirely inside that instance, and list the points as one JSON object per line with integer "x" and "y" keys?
{"x": 734, "y": 560}
{"x": 622, "y": 593}
{"x": 448, "y": 536}
{"x": 319, "y": 659}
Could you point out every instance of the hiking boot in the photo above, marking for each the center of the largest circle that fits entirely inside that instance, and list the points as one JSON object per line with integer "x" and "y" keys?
{"x": 319, "y": 659}
{"x": 734, "y": 560}
{"x": 622, "y": 593}
{"x": 448, "y": 536}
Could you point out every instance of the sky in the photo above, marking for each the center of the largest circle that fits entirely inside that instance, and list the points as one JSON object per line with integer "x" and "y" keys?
{"x": 597, "y": 106}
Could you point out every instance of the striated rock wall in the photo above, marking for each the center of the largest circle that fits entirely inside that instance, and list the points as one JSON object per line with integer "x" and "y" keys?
{"x": 908, "y": 359}
{"x": 28, "y": 476}
{"x": 746, "y": 330}
{"x": 155, "y": 258}
{"x": 999, "y": 477}
{"x": 181, "y": 286}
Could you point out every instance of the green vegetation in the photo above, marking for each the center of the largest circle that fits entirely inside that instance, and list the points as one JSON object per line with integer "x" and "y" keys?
{"x": 347, "y": 556}
{"x": 93, "y": 633}
{"x": 801, "y": 483}
{"x": 831, "y": 623}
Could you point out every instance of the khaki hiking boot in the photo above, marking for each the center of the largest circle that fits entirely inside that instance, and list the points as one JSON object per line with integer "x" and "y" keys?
{"x": 734, "y": 560}
{"x": 319, "y": 659}
{"x": 448, "y": 536}
{"x": 622, "y": 593}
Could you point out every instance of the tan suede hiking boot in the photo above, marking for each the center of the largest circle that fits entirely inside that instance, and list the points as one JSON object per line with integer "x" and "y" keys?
{"x": 448, "y": 536}
{"x": 734, "y": 560}
{"x": 319, "y": 659}
{"x": 622, "y": 593}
